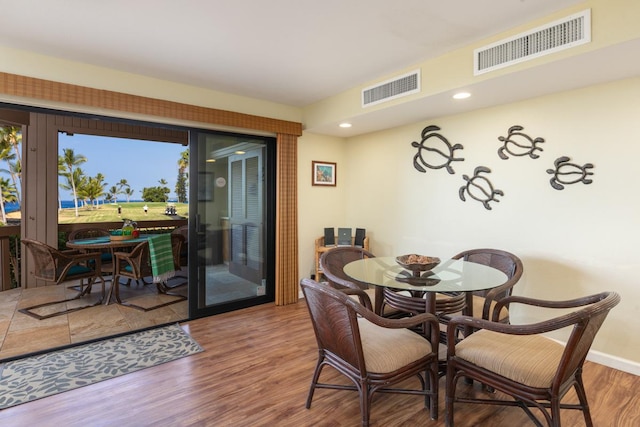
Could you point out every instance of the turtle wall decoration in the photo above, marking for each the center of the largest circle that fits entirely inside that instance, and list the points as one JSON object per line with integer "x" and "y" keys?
{"x": 479, "y": 188}
{"x": 517, "y": 143}
{"x": 568, "y": 173}
{"x": 434, "y": 143}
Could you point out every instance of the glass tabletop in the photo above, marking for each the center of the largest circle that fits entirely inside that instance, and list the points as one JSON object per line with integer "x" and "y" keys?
{"x": 448, "y": 276}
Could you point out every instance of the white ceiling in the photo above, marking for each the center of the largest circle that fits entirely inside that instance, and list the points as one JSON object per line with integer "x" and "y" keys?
{"x": 294, "y": 52}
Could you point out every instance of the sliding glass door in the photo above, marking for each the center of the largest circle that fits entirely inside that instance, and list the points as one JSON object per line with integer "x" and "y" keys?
{"x": 231, "y": 236}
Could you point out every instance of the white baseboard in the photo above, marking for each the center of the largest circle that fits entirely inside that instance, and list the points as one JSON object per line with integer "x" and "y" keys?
{"x": 614, "y": 362}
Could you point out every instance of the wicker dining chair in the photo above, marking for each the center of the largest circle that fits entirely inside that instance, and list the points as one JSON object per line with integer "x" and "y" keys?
{"x": 518, "y": 360}
{"x": 332, "y": 263}
{"x": 58, "y": 267}
{"x": 374, "y": 352}
{"x": 480, "y": 303}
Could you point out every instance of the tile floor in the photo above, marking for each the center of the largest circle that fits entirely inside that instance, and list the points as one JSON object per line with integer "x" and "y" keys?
{"x": 21, "y": 334}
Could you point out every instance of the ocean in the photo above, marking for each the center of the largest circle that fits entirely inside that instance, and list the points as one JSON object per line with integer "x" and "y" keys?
{"x": 14, "y": 206}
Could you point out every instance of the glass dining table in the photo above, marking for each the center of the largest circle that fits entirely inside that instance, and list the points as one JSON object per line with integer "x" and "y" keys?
{"x": 451, "y": 275}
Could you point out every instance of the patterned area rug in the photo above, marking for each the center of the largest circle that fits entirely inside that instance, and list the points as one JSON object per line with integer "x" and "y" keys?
{"x": 47, "y": 374}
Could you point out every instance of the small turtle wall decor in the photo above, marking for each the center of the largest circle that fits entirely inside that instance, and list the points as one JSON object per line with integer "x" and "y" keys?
{"x": 434, "y": 143}
{"x": 518, "y": 144}
{"x": 479, "y": 188}
{"x": 568, "y": 173}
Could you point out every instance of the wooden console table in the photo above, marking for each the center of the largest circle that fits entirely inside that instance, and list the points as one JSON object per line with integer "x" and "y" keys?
{"x": 321, "y": 248}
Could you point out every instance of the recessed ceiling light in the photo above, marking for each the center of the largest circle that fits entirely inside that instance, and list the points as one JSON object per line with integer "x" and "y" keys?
{"x": 345, "y": 125}
{"x": 461, "y": 95}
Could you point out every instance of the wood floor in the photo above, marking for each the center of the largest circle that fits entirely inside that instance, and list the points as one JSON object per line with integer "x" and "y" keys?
{"x": 255, "y": 371}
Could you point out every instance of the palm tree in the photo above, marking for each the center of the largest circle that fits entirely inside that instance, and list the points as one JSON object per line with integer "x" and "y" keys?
{"x": 11, "y": 139}
{"x": 7, "y": 194}
{"x": 92, "y": 189}
{"x": 113, "y": 191}
{"x": 123, "y": 185}
{"x": 71, "y": 161}
{"x": 128, "y": 192}
{"x": 61, "y": 173}
{"x": 165, "y": 189}
{"x": 182, "y": 181}
{"x": 100, "y": 179}
{"x": 76, "y": 181}
{"x": 183, "y": 163}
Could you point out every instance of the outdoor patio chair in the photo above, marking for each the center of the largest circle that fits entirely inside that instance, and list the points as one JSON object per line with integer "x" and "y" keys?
{"x": 57, "y": 267}
{"x": 136, "y": 265}
{"x": 106, "y": 256}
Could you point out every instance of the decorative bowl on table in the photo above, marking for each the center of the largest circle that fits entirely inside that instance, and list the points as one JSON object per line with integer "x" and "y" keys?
{"x": 118, "y": 236}
{"x": 417, "y": 263}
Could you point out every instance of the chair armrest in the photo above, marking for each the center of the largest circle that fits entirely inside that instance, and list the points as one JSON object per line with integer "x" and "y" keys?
{"x": 576, "y": 302}
{"x": 548, "y": 325}
{"x": 362, "y": 296}
{"x": 493, "y": 295}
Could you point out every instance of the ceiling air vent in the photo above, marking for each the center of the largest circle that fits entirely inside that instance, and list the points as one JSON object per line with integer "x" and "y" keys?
{"x": 390, "y": 89}
{"x": 568, "y": 32}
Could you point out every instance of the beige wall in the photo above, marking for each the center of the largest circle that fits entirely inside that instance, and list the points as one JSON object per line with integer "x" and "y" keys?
{"x": 319, "y": 207}
{"x": 574, "y": 242}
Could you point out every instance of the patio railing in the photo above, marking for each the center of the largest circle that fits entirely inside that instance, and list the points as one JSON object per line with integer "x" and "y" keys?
{"x": 10, "y": 234}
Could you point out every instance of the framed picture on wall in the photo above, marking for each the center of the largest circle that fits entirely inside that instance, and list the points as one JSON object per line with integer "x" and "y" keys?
{"x": 323, "y": 173}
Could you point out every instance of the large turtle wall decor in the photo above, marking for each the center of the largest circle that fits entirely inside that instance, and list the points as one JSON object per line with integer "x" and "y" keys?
{"x": 569, "y": 173}
{"x": 517, "y": 143}
{"x": 439, "y": 146}
{"x": 479, "y": 188}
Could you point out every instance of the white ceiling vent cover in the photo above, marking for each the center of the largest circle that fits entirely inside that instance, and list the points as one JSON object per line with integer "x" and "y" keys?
{"x": 563, "y": 34}
{"x": 390, "y": 89}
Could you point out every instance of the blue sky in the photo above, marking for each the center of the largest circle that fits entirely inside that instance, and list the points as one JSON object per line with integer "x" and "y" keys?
{"x": 141, "y": 163}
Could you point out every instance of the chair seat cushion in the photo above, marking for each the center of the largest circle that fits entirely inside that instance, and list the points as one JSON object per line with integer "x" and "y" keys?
{"x": 387, "y": 350}
{"x": 478, "y": 306}
{"x": 78, "y": 270}
{"x": 386, "y": 309}
{"x": 527, "y": 359}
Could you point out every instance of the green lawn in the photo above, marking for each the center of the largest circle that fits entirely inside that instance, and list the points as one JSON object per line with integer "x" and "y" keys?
{"x": 130, "y": 210}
